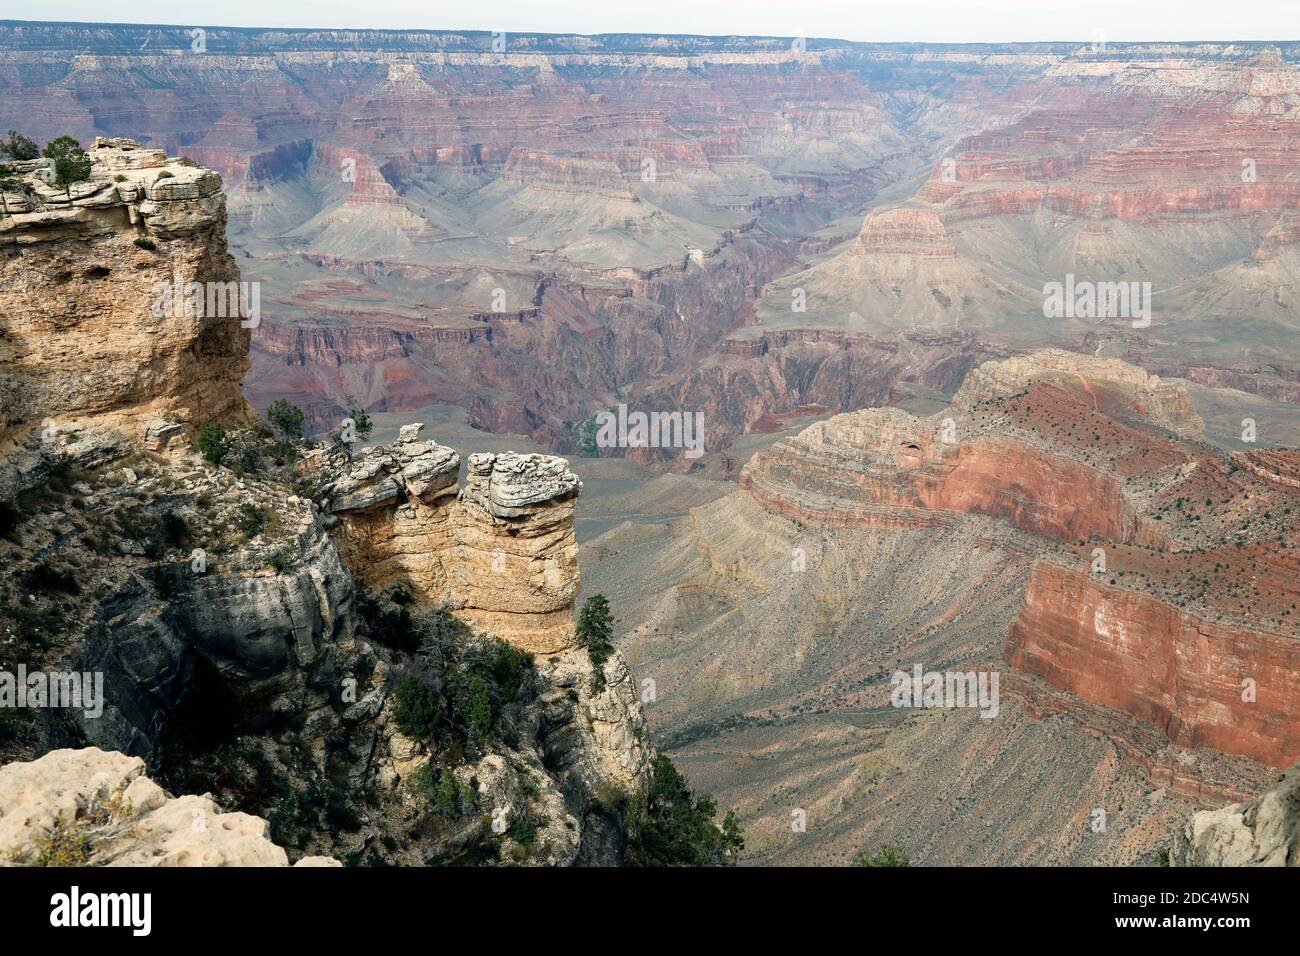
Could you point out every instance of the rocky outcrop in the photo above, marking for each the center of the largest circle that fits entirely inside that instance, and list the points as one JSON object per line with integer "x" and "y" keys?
{"x": 99, "y": 325}
{"x": 236, "y": 654}
{"x": 1160, "y": 607}
{"x": 886, "y": 468}
{"x": 1145, "y": 396}
{"x": 500, "y": 551}
{"x": 1262, "y": 832}
{"x": 97, "y": 808}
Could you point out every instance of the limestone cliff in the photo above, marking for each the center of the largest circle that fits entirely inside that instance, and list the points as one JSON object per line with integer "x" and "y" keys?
{"x": 500, "y": 550}
{"x": 97, "y": 329}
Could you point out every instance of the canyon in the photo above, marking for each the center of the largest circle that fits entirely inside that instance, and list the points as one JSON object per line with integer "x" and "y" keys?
{"x": 839, "y": 254}
{"x": 538, "y": 233}
{"x": 1063, "y": 523}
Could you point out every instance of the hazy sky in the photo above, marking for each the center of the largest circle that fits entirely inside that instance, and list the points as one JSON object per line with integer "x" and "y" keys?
{"x": 949, "y": 21}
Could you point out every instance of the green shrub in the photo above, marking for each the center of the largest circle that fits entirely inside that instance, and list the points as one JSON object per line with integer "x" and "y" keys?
{"x": 287, "y": 418}
{"x": 214, "y": 443}
{"x": 596, "y": 634}
{"x": 443, "y": 792}
{"x": 523, "y": 829}
{"x": 250, "y": 520}
{"x": 668, "y": 825}
{"x": 417, "y": 710}
{"x": 887, "y": 855}
{"x": 477, "y": 709}
{"x": 71, "y": 164}
{"x": 164, "y": 174}
{"x": 145, "y": 243}
{"x": 19, "y": 147}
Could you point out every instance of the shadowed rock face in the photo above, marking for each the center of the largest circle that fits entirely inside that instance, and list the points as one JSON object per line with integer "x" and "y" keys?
{"x": 500, "y": 550}
{"x": 94, "y": 329}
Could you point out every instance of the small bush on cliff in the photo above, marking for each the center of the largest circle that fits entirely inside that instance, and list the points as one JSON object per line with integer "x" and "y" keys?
{"x": 361, "y": 420}
{"x": 596, "y": 634}
{"x": 443, "y": 792}
{"x": 71, "y": 164}
{"x": 214, "y": 443}
{"x": 146, "y": 243}
{"x": 19, "y": 146}
{"x": 287, "y": 419}
{"x": 464, "y": 682}
{"x": 667, "y": 825}
{"x": 887, "y": 855}
{"x": 417, "y": 711}
{"x": 250, "y": 520}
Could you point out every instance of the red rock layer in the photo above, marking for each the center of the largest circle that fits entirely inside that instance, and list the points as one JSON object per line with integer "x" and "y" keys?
{"x": 1180, "y": 673}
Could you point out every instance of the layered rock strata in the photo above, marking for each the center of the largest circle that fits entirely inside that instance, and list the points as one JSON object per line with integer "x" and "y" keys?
{"x": 500, "y": 551}
{"x": 99, "y": 330}
{"x": 1165, "y": 585}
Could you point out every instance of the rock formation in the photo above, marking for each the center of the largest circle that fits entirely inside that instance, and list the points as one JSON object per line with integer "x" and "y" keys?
{"x": 501, "y": 550}
{"x": 1091, "y": 453}
{"x": 96, "y": 808}
{"x": 100, "y": 330}
{"x": 1131, "y": 584}
{"x": 1262, "y": 832}
{"x": 239, "y": 656}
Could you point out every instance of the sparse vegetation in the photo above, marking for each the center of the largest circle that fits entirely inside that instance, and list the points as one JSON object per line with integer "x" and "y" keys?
{"x": 361, "y": 421}
{"x": 214, "y": 443}
{"x": 71, "y": 164}
{"x": 887, "y": 855}
{"x": 287, "y": 419}
{"x": 667, "y": 825}
{"x": 596, "y": 633}
{"x": 19, "y": 147}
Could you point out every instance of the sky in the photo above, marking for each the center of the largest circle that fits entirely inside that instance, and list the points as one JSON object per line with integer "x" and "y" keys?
{"x": 935, "y": 21}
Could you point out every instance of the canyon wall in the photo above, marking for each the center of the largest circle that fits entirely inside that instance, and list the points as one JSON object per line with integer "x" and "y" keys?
{"x": 1203, "y": 684}
{"x": 1160, "y": 604}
